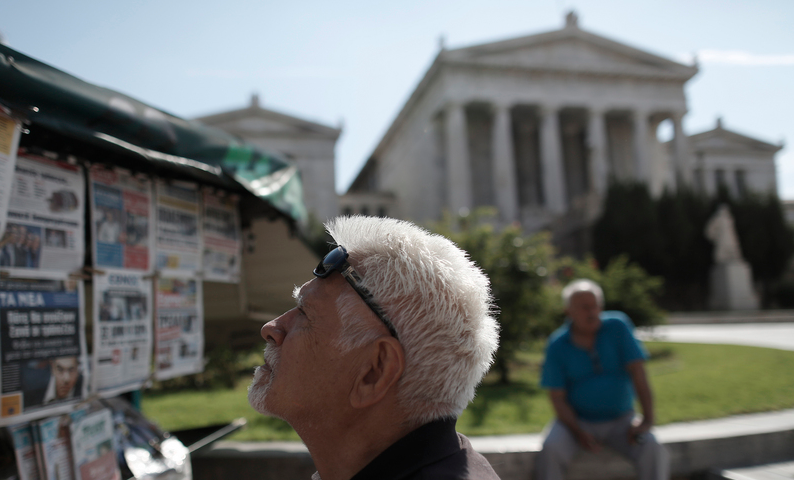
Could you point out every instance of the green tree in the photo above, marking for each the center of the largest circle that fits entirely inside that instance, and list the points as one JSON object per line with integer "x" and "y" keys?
{"x": 628, "y": 226}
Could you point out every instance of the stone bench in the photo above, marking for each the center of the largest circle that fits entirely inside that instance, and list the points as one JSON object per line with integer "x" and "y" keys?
{"x": 695, "y": 449}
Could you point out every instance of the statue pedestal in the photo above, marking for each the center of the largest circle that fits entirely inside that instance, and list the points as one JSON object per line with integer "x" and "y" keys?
{"x": 732, "y": 287}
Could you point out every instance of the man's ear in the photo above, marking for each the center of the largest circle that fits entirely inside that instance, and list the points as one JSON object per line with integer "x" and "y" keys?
{"x": 381, "y": 367}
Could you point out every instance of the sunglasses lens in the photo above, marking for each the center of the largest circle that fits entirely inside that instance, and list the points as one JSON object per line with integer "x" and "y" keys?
{"x": 331, "y": 261}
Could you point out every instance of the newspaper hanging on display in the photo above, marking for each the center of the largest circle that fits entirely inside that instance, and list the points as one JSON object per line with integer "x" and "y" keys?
{"x": 179, "y": 327}
{"x": 121, "y": 212}
{"x": 55, "y": 448}
{"x": 222, "y": 238}
{"x": 42, "y": 344}
{"x": 44, "y": 229}
{"x": 178, "y": 242}
{"x": 122, "y": 331}
{"x": 9, "y": 142}
{"x": 25, "y": 451}
{"x": 94, "y": 447}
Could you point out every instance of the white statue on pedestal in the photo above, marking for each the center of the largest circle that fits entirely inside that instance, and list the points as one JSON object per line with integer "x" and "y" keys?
{"x": 731, "y": 279}
{"x": 722, "y": 233}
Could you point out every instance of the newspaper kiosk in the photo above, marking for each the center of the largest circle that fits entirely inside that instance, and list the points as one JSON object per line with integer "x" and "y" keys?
{"x": 120, "y": 226}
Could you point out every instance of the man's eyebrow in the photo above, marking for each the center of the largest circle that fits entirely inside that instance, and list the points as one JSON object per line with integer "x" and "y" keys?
{"x": 296, "y": 294}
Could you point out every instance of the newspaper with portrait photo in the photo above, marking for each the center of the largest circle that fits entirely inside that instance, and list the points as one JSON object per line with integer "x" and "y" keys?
{"x": 42, "y": 347}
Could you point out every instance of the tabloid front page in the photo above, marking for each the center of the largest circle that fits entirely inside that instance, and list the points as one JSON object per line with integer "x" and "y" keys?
{"x": 122, "y": 331}
{"x": 44, "y": 230}
{"x": 9, "y": 143}
{"x": 178, "y": 242}
{"x": 179, "y": 327}
{"x": 222, "y": 236}
{"x": 121, "y": 226}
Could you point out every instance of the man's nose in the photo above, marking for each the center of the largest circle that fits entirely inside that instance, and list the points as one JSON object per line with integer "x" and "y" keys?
{"x": 273, "y": 332}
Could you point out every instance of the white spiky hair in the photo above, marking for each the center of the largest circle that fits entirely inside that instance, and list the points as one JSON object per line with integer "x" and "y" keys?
{"x": 439, "y": 302}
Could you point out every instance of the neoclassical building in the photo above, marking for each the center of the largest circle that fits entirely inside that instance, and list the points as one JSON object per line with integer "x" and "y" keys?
{"x": 309, "y": 144}
{"x": 535, "y": 126}
{"x": 741, "y": 164}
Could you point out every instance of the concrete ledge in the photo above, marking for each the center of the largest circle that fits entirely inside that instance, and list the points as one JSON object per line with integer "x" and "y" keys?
{"x": 695, "y": 448}
{"x": 752, "y": 316}
{"x": 775, "y": 471}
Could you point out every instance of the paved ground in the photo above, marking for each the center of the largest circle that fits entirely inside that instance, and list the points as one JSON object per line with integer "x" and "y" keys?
{"x": 770, "y": 335}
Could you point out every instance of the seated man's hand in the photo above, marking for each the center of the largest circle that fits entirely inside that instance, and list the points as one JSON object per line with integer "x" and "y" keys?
{"x": 587, "y": 441}
{"x": 638, "y": 430}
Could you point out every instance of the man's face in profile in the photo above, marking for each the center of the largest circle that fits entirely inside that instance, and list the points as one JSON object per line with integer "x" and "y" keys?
{"x": 65, "y": 372}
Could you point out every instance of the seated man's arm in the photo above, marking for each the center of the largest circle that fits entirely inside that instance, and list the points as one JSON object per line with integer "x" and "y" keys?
{"x": 640, "y": 380}
{"x": 567, "y": 416}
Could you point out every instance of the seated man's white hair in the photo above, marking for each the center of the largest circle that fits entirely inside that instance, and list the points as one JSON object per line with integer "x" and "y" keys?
{"x": 439, "y": 301}
{"x": 579, "y": 286}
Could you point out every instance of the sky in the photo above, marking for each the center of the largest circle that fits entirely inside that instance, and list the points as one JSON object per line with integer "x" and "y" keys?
{"x": 354, "y": 63}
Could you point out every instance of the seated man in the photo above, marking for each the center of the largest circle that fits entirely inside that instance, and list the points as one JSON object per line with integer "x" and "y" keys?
{"x": 381, "y": 355}
{"x": 593, "y": 367}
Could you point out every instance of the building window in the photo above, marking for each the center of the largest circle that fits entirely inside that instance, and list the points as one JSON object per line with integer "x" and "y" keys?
{"x": 382, "y": 211}
{"x": 741, "y": 183}
{"x": 365, "y": 210}
{"x": 347, "y": 211}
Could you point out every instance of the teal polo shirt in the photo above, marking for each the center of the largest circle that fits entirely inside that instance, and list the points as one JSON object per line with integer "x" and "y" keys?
{"x": 597, "y": 384}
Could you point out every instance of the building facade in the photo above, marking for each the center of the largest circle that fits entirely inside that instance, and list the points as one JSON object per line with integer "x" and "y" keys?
{"x": 536, "y": 126}
{"x": 310, "y": 145}
{"x": 734, "y": 161}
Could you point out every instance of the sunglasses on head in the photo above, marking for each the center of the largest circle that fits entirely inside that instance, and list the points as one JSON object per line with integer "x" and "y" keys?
{"x": 336, "y": 260}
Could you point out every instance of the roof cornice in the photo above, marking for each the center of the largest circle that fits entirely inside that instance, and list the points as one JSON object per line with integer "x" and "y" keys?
{"x": 463, "y": 57}
{"x": 308, "y": 126}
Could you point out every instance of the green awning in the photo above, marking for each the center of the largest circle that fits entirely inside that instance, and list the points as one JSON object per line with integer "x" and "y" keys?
{"x": 44, "y": 96}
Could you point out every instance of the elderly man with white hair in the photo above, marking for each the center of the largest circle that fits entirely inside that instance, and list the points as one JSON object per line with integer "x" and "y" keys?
{"x": 593, "y": 367}
{"x": 381, "y": 355}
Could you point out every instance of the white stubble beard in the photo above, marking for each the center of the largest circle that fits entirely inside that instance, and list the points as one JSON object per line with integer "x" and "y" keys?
{"x": 263, "y": 378}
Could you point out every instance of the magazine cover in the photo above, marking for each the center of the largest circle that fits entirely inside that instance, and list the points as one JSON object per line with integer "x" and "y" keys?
{"x": 42, "y": 347}
{"x": 9, "y": 143}
{"x": 25, "y": 452}
{"x": 94, "y": 447}
{"x": 178, "y": 239}
{"x": 44, "y": 229}
{"x": 222, "y": 238}
{"x": 121, "y": 219}
{"x": 55, "y": 448}
{"x": 179, "y": 327}
{"x": 122, "y": 331}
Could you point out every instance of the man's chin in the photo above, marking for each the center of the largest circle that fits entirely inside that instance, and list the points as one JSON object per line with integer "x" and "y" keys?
{"x": 257, "y": 391}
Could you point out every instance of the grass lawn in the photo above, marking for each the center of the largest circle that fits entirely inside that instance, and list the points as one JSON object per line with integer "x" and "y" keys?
{"x": 690, "y": 382}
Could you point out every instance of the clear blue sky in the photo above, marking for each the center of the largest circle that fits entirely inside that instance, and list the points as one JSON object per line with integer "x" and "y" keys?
{"x": 357, "y": 61}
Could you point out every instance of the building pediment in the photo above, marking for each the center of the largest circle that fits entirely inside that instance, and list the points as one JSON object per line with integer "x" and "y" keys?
{"x": 721, "y": 139}
{"x": 256, "y": 121}
{"x": 570, "y": 50}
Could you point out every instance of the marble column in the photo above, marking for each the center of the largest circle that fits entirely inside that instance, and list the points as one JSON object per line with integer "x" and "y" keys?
{"x": 641, "y": 155}
{"x": 504, "y": 167}
{"x": 458, "y": 168}
{"x": 683, "y": 163}
{"x": 551, "y": 160}
{"x": 597, "y": 142}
